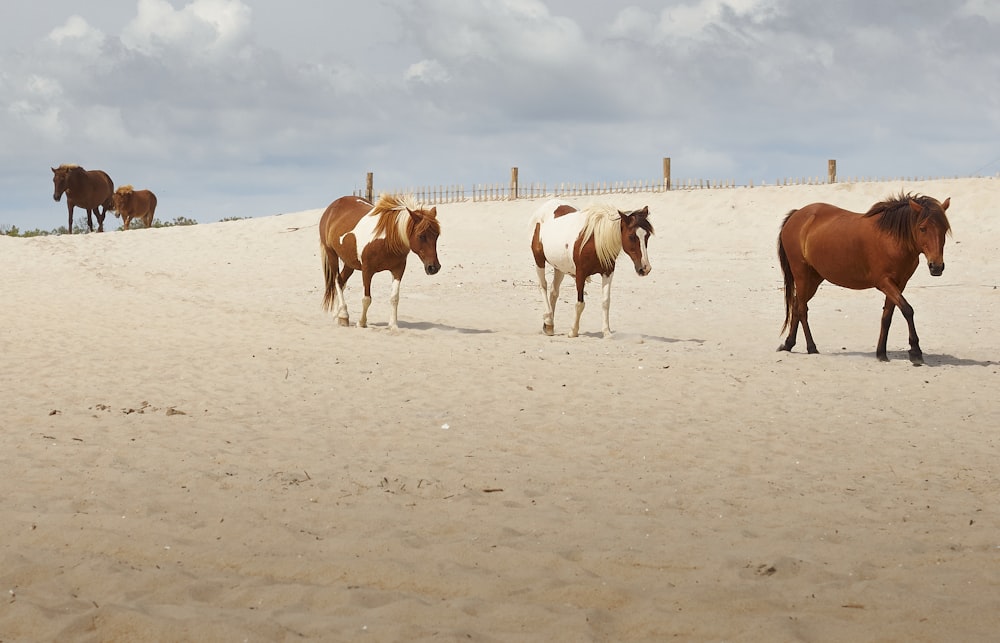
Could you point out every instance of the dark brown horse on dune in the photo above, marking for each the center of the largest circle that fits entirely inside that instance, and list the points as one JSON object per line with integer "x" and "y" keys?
{"x": 879, "y": 249}
{"x": 373, "y": 238}
{"x": 129, "y": 203}
{"x": 87, "y": 189}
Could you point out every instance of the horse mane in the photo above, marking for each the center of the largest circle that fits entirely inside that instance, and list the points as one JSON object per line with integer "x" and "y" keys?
{"x": 393, "y": 212}
{"x": 895, "y": 216}
{"x": 602, "y": 224}
{"x": 125, "y": 189}
{"x": 67, "y": 166}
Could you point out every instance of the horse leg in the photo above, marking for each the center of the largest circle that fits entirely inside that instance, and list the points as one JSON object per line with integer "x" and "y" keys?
{"x": 394, "y": 302}
{"x": 805, "y": 287}
{"x": 90, "y": 219}
{"x": 894, "y": 299}
{"x": 550, "y": 300}
{"x": 606, "y": 302}
{"x": 69, "y": 206}
{"x": 547, "y": 326}
{"x": 340, "y": 301}
{"x": 100, "y": 218}
{"x": 581, "y": 280}
{"x": 366, "y": 301}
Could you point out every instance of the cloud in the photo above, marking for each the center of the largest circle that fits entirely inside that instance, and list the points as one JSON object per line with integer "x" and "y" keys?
{"x": 203, "y": 27}
{"x": 76, "y": 33}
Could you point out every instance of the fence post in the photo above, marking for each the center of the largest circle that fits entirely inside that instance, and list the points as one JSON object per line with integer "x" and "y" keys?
{"x": 831, "y": 171}
{"x": 513, "y": 183}
{"x": 369, "y": 186}
{"x": 666, "y": 172}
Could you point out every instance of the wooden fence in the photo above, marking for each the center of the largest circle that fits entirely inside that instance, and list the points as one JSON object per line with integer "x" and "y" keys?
{"x": 515, "y": 189}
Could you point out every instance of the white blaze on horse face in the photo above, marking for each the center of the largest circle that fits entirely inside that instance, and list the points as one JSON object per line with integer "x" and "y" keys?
{"x": 558, "y": 236}
{"x": 364, "y": 233}
{"x": 643, "y": 240}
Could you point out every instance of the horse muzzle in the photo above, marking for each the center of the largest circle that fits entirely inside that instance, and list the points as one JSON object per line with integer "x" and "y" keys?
{"x": 936, "y": 268}
{"x": 642, "y": 271}
{"x": 432, "y": 268}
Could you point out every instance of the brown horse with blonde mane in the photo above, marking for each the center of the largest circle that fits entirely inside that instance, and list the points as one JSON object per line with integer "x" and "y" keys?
{"x": 372, "y": 238}
{"x": 879, "y": 249}
{"x": 129, "y": 203}
{"x": 87, "y": 189}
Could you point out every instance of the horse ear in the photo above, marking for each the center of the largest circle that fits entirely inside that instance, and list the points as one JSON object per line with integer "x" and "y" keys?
{"x": 433, "y": 212}
{"x": 947, "y": 202}
{"x": 644, "y": 211}
{"x": 53, "y": 170}
{"x": 916, "y": 207}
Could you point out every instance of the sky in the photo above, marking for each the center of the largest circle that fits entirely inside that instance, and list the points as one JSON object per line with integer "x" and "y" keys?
{"x": 241, "y": 108}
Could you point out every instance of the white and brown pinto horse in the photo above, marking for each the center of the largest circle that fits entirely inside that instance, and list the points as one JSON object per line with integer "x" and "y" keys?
{"x": 373, "y": 238}
{"x": 584, "y": 243}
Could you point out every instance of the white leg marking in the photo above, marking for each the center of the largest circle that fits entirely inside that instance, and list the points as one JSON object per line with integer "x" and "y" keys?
{"x": 394, "y": 305}
{"x": 580, "y": 305}
{"x": 365, "y": 303}
{"x": 606, "y": 302}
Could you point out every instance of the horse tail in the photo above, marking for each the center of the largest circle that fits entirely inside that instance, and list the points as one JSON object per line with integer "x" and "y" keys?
{"x": 786, "y": 271}
{"x": 330, "y": 277}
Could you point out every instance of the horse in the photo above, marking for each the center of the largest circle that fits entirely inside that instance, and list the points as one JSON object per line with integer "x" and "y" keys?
{"x": 88, "y": 189}
{"x": 372, "y": 238}
{"x": 878, "y": 249}
{"x": 129, "y": 203}
{"x": 584, "y": 243}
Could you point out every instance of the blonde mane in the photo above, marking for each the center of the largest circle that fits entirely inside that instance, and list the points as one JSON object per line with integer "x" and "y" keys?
{"x": 603, "y": 225}
{"x": 393, "y": 212}
{"x": 125, "y": 189}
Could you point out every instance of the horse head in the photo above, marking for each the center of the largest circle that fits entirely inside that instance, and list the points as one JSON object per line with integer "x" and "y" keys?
{"x": 60, "y": 177}
{"x": 929, "y": 230}
{"x": 424, "y": 231}
{"x": 120, "y": 200}
{"x": 636, "y": 230}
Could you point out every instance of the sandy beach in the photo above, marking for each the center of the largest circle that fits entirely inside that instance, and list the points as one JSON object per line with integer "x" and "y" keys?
{"x": 194, "y": 450}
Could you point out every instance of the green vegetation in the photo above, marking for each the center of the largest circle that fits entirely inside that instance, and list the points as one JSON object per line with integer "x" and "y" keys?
{"x": 80, "y": 227}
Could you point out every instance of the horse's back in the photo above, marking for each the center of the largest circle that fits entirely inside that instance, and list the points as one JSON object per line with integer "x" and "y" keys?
{"x": 342, "y": 216}
{"x": 837, "y": 244}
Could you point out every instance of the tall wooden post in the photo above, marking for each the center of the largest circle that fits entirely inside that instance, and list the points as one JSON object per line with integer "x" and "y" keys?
{"x": 666, "y": 172}
{"x": 831, "y": 171}
{"x": 513, "y": 183}
{"x": 369, "y": 187}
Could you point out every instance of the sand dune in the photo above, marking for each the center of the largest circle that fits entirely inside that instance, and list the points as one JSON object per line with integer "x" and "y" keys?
{"x": 193, "y": 450}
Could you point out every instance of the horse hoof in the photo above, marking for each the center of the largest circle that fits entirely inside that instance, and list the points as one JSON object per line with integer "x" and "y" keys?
{"x": 343, "y": 321}
{"x": 917, "y": 360}
{"x": 549, "y": 329}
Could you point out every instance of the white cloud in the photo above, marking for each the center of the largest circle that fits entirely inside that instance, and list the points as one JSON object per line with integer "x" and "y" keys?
{"x": 430, "y": 72}
{"x": 76, "y": 33}
{"x": 203, "y": 27}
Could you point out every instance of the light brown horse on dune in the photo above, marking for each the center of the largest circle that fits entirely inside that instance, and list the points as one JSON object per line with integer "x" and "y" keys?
{"x": 129, "y": 203}
{"x": 373, "y": 238}
{"x": 87, "y": 189}
{"x": 879, "y": 249}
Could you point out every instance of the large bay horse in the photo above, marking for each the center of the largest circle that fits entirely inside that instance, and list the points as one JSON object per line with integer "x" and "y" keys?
{"x": 878, "y": 249}
{"x": 87, "y": 189}
{"x": 373, "y": 238}
{"x": 584, "y": 243}
{"x": 129, "y": 203}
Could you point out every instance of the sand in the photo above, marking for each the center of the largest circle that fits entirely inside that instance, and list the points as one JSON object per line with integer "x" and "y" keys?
{"x": 193, "y": 450}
